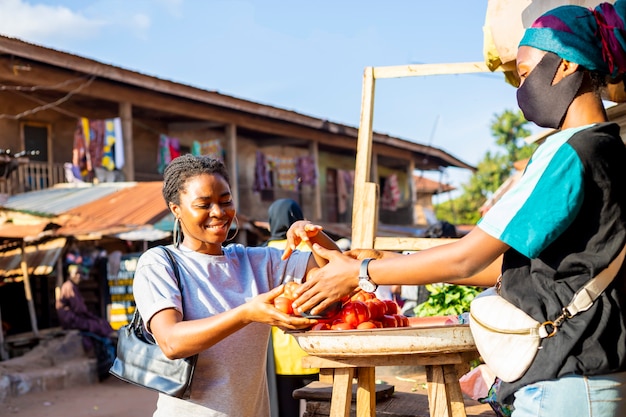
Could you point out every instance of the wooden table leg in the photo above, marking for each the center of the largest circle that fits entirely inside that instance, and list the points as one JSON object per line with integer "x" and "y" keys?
{"x": 453, "y": 388}
{"x": 438, "y": 402}
{"x": 342, "y": 392}
{"x": 445, "y": 398}
{"x": 366, "y": 392}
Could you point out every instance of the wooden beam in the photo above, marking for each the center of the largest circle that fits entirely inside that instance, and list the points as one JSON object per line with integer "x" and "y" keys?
{"x": 419, "y": 70}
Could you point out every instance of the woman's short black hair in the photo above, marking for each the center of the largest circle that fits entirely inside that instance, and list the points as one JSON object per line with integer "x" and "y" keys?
{"x": 187, "y": 166}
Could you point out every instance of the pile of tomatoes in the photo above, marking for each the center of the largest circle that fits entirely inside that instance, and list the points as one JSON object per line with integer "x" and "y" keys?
{"x": 361, "y": 311}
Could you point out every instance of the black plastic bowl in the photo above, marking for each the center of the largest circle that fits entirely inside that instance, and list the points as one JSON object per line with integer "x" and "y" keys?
{"x": 327, "y": 313}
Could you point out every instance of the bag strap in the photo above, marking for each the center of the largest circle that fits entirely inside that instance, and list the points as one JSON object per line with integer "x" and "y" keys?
{"x": 584, "y": 298}
{"x": 175, "y": 268}
{"x": 137, "y": 322}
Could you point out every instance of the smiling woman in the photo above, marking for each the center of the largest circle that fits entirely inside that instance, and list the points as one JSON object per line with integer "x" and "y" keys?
{"x": 226, "y": 299}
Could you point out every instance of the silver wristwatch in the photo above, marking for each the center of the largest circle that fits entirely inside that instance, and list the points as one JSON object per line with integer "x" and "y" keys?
{"x": 365, "y": 282}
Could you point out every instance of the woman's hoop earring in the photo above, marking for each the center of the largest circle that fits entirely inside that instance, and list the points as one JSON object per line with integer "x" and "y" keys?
{"x": 177, "y": 233}
{"x": 236, "y": 229}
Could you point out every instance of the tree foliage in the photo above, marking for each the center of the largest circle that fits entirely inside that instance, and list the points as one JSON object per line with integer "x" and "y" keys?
{"x": 509, "y": 130}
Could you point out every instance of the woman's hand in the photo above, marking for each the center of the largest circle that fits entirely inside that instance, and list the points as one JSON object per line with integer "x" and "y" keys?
{"x": 328, "y": 284}
{"x": 300, "y": 231}
{"x": 261, "y": 309}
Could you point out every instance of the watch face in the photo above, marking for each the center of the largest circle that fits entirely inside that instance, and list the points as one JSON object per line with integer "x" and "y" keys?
{"x": 367, "y": 285}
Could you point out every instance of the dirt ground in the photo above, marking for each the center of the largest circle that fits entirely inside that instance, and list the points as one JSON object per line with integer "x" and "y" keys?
{"x": 114, "y": 398}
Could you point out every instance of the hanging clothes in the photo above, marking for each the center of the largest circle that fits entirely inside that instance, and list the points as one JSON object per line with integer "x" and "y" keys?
{"x": 118, "y": 147}
{"x": 306, "y": 171}
{"x": 391, "y": 193}
{"x": 79, "y": 150}
{"x": 286, "y": 170}
{"x": 169, "y": 149}
{"x": 96, "y": 142}
{"x": 108, "y": 156}
{"x": 262, "y": 178}
{"x": 211, "y": 148}
{"x": 345, "y": 188}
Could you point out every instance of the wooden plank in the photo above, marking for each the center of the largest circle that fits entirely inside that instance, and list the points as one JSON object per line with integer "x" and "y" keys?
{"x": 408, "y": 243}
{"x": 367, "y": 211}
{"x": 363, "y": 161}
{"x": 419, "y": 70}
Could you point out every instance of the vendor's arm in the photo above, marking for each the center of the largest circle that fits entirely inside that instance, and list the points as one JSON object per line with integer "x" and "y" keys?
{"x": 474, "y": 259}
{"x": 180, "y": 339}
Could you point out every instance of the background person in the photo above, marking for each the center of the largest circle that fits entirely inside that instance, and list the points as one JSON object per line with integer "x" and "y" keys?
{"x": 72, "y": 310}
{"x": 563, "y": 223}
{"x": 226, "y": 310}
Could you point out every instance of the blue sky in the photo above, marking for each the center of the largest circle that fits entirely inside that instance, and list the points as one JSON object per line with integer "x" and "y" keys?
{"x": 306, "y": 56}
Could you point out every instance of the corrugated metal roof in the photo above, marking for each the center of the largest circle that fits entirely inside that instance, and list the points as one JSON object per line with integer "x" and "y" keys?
{"x": 426, "y": 185}
{"x": 123, "y": 210}
{"x": 61, "y": 198}
{"x": 41, "y": 259}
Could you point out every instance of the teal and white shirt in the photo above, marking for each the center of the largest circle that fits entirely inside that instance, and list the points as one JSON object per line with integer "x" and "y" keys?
{"x": 565, "y": 220}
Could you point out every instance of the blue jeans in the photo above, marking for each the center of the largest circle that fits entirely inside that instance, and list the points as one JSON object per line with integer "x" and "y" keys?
{"x": 573, "y": 396}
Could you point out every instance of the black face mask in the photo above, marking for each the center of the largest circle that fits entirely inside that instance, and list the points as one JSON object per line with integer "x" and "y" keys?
{"x": 540, "y": 101}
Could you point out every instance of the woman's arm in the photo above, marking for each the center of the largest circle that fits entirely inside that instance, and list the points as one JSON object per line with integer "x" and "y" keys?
{"x": 180, "y": 339}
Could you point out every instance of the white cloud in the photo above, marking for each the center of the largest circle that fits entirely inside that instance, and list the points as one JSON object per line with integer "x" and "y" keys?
{"x": 41, "y": 23}
{"x": 140, "y": 23}
{"x": 174, "y": 7}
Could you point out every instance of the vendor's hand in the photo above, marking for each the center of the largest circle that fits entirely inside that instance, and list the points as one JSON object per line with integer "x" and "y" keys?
{"x": 364, "y": 253}
{"x": 261, "y": 309}
{"x": 361, "y": 254}
{"x": 300, "y": 231}
{"x": 328, "y": 284}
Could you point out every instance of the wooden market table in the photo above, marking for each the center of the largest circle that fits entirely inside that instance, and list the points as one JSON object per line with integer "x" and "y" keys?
{"x": 444, "y": 351}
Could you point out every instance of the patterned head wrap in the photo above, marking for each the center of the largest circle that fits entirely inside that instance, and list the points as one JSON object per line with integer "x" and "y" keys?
{"x": 593, "y": 38}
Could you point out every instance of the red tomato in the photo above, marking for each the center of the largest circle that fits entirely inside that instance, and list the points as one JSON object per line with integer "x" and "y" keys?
{"x": 362, "y": 296}
{"x": 389, "y": 321}
{"x": 283, "y": 304}
{"x": 392, "y": 307}
{"x": 341, "y": 325}
{"x": 289, "y": 289}
{"x": 377, "y": 323}
{"x": 376, "y": 307}
{"x": 321, "y": 326}
{"x": 399, "y": 320}
{"x": 366, "y": 325}
{"x": 355, "y": 312}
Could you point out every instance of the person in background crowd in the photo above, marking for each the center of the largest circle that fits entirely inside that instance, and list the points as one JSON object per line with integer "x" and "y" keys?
{"x": 72, "y": 310}
{"x": 562, "y": 223}
{"x": 286, "y": 353}
{"x": 225, "y": 311}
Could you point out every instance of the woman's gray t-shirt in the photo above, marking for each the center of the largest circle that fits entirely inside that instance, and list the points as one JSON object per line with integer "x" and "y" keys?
{"x": 230, "y": 378}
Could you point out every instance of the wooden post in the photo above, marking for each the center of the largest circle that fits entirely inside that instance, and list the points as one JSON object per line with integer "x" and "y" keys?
{"x": 126, "y": 115}
{"x": 28, "y": 292}
{"x": 231, "y": 163}
{"x": 317, "y": 197}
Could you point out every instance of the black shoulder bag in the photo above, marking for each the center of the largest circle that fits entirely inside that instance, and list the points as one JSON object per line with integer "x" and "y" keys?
{"x": 141, "y": 361}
